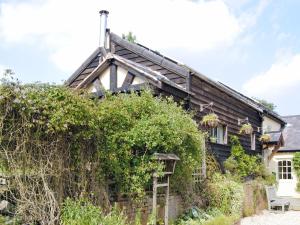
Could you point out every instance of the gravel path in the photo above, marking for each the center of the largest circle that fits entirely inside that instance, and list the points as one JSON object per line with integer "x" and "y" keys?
{"x": 273, "y": 218}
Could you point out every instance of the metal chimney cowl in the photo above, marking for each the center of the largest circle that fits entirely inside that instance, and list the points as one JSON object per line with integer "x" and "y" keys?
{"x": 103, "y": 27}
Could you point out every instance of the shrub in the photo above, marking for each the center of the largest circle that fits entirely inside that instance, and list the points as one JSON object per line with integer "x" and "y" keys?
{"x": 241, "y": 164}
{"x": 225, "y": 194}
{"x": 66, "y": 144}
{"x": 211, "y": 217}
{"x": 82, "y": 212}
{"x": 222, "y": 220}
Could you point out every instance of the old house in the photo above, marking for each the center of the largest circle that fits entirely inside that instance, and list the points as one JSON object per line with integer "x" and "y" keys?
{"x": 119, "y": 66}
{"x": 281, "y": 162}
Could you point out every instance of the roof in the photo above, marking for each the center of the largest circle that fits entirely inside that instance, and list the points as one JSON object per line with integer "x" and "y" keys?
{"x": 154, "y": 77}
{"x": 276, "y": 137}
{"x": 177, "y": 68}
{"x": 291, "y": 134}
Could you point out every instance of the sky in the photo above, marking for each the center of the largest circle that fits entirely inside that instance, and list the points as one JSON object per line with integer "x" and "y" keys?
{"x": 252, "y": 46}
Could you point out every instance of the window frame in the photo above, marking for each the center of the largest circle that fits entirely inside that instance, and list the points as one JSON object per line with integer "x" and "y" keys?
{"x": 284, "y": 169}
{"x": 214, "y": 133}
{"x": 253, "y": 141}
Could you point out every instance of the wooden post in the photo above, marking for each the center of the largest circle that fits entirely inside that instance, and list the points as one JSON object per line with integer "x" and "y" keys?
{"x": 154, "y": 200}
{"x": 167, "y": 201}
{"x": 203, "y": 159}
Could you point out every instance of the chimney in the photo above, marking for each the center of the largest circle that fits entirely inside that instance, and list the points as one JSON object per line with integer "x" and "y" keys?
{"x": 103, "y": 26}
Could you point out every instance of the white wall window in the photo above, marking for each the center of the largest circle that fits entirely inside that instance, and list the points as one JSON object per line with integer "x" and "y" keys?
{"x": 219, "y": 134}
{"x": 253, "y": 141}
{"x": 285, "y": 170}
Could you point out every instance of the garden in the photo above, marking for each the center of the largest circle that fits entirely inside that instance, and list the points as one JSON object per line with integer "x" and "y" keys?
{"x": 67, "y": 156}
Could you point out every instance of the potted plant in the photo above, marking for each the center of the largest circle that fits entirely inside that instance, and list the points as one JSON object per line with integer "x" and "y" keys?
{"x": 210, "y": 120}
{"x": 265, "y": 138}
{"x": 213, "y": 139}
{"x": 246, "y": 129}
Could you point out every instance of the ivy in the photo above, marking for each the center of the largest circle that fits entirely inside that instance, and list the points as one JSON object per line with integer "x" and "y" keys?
{"x": 75, "y": 145}
{"x": 241, "y": 164}
{"x": 296, "y": 165}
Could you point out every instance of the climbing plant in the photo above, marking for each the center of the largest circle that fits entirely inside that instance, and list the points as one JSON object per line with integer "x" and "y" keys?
{"x": 239, "y": 163}
{"x": 55, "y": 143}
{"x": 296, "y": 165}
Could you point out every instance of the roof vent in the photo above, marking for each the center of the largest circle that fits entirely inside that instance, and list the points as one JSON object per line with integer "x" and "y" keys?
{"x": 103, "y": 27}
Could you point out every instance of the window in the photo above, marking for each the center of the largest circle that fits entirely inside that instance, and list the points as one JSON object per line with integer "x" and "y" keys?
{"x": 253, "y": 141}
{"x": 285, "y": 169}
{"x": 219, "y": 134}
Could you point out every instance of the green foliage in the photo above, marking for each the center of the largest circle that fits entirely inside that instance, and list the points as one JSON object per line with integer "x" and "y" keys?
{"x": 73, "y": 145}
{"x": 137, "y": 126}
{"x": 246, "y": 129}
{"x": 82, "y": 212}
{"x": 296, "y": 165}
{"x": 268, "y": 105}
{"x": 129, "y": 37}
{"x": 265, "y": 138}
{"x": 225, "y": 194}
{"x": 222, "y": 220}
{"x": 213, "y": 216}
{"x": 210, "y": 120}
{"x": 241, "y": 164}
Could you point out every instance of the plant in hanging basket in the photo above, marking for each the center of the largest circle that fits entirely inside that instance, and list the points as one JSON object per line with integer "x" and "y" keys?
{"x": 213, "y": 139}
{"x": 265, "y": 138}
{"x": 246, "y": 129}
{"x": 210, "y": 120}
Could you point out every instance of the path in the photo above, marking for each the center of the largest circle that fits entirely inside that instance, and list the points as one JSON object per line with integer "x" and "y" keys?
{"x": 273, "y": 218}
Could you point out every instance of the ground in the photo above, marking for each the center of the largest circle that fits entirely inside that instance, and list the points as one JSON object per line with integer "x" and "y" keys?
{"x": 273, "y": 218}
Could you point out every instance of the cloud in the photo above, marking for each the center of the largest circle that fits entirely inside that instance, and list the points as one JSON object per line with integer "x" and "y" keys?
{"x": 281, "y": 77}
{"x": 69, "y": 29}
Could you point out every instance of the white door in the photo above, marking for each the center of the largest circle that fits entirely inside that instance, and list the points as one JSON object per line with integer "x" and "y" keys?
{"x": 286, "y": 179}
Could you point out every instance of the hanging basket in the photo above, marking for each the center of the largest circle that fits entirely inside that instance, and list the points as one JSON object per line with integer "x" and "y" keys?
{"x": 210, "y": 120}
{"x": 265, "y": 138}
{"x": 246, "y": 129}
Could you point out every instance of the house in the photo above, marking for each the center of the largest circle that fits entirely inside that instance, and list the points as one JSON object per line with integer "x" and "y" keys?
{"x": 281, "y": 162}
{"x": 118, "y": 65}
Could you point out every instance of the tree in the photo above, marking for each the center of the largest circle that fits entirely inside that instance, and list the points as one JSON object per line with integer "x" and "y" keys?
{"x": 265, "y": 103}
{"x": 129, "y": 37}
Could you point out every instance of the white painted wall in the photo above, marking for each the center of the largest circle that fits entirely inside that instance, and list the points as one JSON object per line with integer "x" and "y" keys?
{"x": 121, "y": 75}
{"x": 138, "y": 80}
{"x": 269, "y": 124}
{"x": 285, "y": 187}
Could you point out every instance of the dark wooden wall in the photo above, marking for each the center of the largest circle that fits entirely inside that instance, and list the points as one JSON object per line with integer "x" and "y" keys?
{"x": 229, "y": 109}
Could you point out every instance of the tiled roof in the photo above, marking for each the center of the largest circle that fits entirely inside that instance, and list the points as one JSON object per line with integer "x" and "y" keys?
{"x": 291, "y": 133}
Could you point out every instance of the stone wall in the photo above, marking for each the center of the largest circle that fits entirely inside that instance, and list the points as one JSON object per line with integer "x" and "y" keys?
{"x": 255, "y": 198}
{"x": 145, "y": 208}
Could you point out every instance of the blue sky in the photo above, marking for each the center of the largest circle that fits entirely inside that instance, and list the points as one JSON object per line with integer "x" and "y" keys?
{"x": 250, "y": 45}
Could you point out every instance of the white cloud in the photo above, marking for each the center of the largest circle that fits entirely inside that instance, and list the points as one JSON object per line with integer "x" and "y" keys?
{"x": 281, "y": 77}
{"x": 69, "y": 29}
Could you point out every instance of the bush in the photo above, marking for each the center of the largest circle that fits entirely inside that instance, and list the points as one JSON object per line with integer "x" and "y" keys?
{"x": 241, "y": 164}
{"x": 225, "y": 194}
{"x": 67, "y": 144}
{"x": 82, "y": 212}
{"x": 213, "y": 216}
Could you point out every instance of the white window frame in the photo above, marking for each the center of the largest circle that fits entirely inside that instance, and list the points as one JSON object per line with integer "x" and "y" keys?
{"x": 284, "y": 169}
{"x": 253, "y": 141}
{"x": 217, "y": 133}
